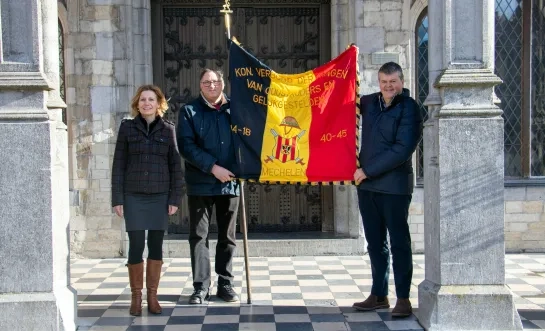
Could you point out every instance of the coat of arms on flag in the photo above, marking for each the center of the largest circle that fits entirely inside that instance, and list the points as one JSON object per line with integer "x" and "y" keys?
{"x": 285, "y": 149}
{"x": 294, "y": 128}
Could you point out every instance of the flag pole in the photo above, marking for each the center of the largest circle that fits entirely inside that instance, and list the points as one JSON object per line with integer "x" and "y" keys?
{"x": 227, "y": 12}
{"x": 245, "y": 242}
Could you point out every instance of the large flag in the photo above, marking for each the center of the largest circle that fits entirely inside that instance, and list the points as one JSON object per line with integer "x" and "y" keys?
{"x": 294, "y": 128}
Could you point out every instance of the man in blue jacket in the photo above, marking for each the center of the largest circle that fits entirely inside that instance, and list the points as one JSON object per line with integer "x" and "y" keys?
{"x": 205, "y": 142}
{"x": 391, "y": 129}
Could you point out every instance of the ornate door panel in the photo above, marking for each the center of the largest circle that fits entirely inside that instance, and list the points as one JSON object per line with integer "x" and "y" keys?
{"x": 290, "y": 38}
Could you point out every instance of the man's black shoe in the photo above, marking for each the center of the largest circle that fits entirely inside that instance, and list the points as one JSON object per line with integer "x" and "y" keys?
{"x": 198, "y": 296}
{"x": 226, "y": 293}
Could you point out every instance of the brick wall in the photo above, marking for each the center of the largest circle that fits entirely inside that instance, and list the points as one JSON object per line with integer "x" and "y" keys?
{"x": 524, "y": 219}
{"x": 416, "y": 220}
{"x": 107, "y": 55}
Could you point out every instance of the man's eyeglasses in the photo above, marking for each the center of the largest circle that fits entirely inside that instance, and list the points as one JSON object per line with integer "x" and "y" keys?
{"x": 207, "y": 83}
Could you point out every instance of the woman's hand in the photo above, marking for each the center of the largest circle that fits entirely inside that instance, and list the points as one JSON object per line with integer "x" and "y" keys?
{"x": 172, "y": 209}
{"x": 119, "y": 210}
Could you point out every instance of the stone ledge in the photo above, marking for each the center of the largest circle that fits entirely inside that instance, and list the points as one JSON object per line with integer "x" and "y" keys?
{"x": 23, "y": 80}
{"x": 459, "y": 111}
{"x": 467, "y": 77}
{"x": 23, "y": 116}
{"x": 275, "y": 245}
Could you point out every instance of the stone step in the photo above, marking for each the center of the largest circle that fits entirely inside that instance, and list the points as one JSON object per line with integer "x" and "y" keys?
{"x": 275, "y": 244}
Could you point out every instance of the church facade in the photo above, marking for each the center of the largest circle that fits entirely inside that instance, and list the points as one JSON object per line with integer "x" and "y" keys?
{"x": 110, "y": 47}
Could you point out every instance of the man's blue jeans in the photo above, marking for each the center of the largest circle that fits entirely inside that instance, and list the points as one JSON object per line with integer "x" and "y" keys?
{"x": 384, "y": 213}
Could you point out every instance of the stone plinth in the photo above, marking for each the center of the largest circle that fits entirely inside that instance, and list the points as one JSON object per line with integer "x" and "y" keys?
{"x": 470, "y": 307}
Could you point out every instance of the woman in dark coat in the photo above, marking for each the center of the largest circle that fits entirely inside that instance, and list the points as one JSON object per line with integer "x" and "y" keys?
{"x": 147, "y": 184}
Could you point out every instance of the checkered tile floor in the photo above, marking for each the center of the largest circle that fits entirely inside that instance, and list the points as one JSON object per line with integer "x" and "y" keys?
{"x": 288, "y": 293}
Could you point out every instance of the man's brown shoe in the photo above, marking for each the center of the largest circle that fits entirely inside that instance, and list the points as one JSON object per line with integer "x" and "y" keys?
{"x": 371, "y": 303}
{"x": 403, "y": 308}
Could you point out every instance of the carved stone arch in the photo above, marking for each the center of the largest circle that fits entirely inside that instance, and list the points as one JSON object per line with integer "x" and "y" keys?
{"x": 417, "y": 8}
{"x": 62, "y": 13}
{"x": 421, "y": 81}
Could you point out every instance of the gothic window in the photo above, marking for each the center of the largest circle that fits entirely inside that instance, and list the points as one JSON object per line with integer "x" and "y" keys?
{"x": 520, "y": 64}
{"x": 62, "y": 88}
{"x": 422, "y": 79}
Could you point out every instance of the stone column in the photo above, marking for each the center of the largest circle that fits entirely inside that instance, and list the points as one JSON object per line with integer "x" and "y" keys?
{"x": 465, "y": 286}
{"x": 34, "y": 272}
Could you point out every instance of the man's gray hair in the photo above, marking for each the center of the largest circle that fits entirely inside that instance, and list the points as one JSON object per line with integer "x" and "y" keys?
{"x": 219, "y": 73}
{"x": 389, "y": 68}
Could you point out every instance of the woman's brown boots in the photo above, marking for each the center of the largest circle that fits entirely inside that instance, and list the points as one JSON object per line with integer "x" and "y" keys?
{"x": 153, "y": 275}
{"x": 136, "y": 281}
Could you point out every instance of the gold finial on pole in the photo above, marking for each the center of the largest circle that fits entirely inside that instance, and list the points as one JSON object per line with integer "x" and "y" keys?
{"x": 227, "y": 12}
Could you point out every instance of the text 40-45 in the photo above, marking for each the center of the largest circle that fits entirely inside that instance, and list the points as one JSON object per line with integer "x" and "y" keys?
{"x": 330, "y": 136}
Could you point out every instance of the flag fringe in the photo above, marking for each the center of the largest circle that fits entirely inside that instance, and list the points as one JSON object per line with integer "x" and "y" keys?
{"x": 298, "y": 183}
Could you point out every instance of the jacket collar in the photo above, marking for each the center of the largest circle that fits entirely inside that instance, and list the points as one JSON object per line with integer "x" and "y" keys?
{"x": 157, "y": 124}
{"x": 397, "y": 99}
{"x": 224, "y": 100}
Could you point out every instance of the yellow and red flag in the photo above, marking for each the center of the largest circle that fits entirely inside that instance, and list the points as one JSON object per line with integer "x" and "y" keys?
{"x": 294, "y": 128}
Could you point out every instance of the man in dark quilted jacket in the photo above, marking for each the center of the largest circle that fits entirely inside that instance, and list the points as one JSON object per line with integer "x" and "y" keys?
{"x": 205, "y": 142}
{"x": 391, "y": 129}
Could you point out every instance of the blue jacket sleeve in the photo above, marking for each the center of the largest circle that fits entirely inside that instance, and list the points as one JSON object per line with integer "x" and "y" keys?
{"x": 408, "y": 135}
{"x": 187, "y": 141}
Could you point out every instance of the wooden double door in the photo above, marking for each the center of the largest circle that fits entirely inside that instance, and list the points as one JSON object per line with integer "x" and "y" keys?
{"x": 290, "y": 37}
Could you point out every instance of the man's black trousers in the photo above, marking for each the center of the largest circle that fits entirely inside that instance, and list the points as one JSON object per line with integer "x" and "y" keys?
{"x": 200, "y": 213}
{"x": 387, "y": 213}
